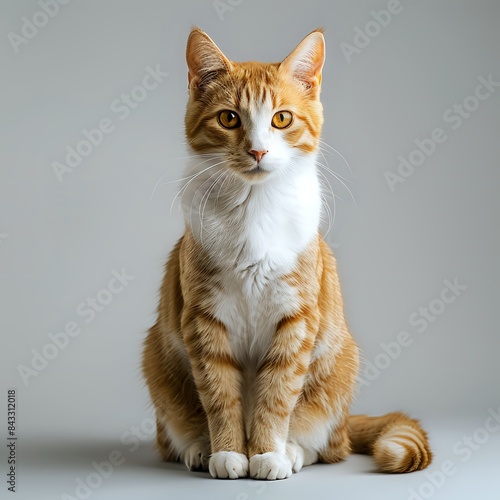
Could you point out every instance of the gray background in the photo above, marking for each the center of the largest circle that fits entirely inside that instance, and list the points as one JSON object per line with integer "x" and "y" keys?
{"x": 60, "y": 241}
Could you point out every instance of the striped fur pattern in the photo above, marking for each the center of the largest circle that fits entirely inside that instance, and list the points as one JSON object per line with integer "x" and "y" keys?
{"x": 250, "y": 366}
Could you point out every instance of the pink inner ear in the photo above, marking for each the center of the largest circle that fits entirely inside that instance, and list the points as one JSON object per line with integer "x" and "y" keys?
{"x": 203, "y": 56}
{"x": 305, "y": 63}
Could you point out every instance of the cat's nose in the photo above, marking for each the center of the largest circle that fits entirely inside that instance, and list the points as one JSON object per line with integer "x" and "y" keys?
{"x": 258, "y": 154}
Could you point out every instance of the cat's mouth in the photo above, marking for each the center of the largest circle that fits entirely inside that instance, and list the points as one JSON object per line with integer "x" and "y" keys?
{"x": 257, "y": 170}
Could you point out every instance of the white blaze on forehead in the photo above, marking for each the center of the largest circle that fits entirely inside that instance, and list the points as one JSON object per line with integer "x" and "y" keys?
{"x": 260, "y": 133}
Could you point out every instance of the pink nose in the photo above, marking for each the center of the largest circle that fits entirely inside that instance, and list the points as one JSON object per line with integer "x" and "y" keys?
{"x": 258, "y": 154}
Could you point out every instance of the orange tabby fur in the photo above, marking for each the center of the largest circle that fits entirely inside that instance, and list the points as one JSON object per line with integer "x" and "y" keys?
{"x": 307, "y": 378}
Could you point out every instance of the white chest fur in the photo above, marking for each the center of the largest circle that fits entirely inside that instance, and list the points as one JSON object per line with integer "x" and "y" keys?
{"x": 255, "y": 234}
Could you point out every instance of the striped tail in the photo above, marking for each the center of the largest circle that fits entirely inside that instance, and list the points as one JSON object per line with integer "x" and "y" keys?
{"x": 396, "y": 442}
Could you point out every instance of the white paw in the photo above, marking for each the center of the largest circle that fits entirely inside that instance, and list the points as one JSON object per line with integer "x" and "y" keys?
{"x": 296, "y": 455}
{"x": 228, "y": 464}
{"x": 271, "y": 465}
{"x": 196, "y": 456}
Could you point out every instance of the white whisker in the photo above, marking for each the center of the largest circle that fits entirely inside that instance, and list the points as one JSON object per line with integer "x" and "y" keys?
{"x": 331, "y": 218}
{"x": 193, "y": 199}
{"x": 330, "y": 171}
{"x": 229, "y": 175}
{"x": 158, "y": 182}
{"x": 183, "y": 189}
{"x": 337, "y": 152}
{"x": 207, "y": 194}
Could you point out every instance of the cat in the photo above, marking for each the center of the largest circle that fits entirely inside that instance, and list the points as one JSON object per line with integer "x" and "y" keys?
{"x": 250, "y": 366}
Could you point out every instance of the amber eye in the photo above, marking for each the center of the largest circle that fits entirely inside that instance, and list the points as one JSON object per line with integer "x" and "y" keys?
{"x": 282, "y": 119}
{"x": 229, "y": 119}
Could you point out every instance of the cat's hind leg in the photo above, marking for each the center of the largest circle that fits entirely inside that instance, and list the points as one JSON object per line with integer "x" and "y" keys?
{"x": 195, "y": 455}
{"x": 319, "y": 429}
{"x": 182, "y": 428}
{"x": 163, "y": 443}
{"x": 323, "y": 440}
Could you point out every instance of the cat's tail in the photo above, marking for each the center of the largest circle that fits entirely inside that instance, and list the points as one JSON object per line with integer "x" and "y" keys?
{"x": 396, "y": 442}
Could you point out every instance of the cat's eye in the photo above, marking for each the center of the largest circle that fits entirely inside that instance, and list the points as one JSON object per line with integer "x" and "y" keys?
{"x": 282, "y": 119}
{"x": 229, "y": 119}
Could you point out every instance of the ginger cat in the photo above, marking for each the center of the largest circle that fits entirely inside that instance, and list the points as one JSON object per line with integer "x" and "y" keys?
{"x": 251, "y": 366}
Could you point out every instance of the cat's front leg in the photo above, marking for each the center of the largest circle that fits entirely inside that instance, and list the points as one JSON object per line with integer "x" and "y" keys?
{"x": 279, "y": 382}
{"x": 218, "y": 380}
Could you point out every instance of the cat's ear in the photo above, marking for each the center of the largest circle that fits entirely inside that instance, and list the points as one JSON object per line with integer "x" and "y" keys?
{"x": 306, "y": 61}
{"x": 204, "y": 59}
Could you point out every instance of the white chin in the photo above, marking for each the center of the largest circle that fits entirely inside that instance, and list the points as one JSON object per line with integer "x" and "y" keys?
{"x": 256, "y": 174}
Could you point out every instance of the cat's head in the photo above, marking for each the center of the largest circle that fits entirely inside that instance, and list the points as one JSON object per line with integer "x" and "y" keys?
{"x": 258, "y": 118}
